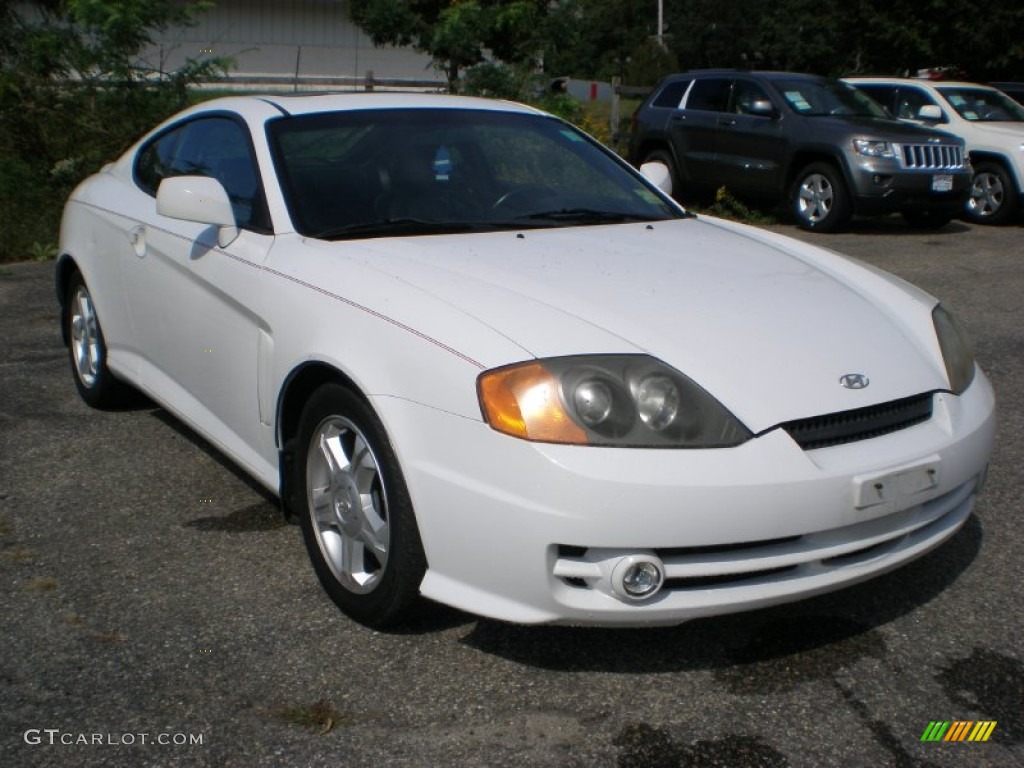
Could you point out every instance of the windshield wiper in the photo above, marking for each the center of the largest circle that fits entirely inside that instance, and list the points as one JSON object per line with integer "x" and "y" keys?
{"x": 392, "y": 228}
{"x": 585, "y": 216}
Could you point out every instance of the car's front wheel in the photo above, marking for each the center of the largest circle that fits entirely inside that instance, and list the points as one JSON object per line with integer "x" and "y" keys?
{"x": 820, "y": 200}
{"x": 357, "y": 518}
{"x": 992, "y": 199}
{"x": 88, "y": 349}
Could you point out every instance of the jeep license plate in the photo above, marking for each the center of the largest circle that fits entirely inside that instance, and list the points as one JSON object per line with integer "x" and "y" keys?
{"x": 942, "y": 183}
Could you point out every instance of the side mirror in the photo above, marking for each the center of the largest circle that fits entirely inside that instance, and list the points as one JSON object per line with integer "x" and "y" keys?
{"x": 199, "y": 199}
{"x": 659, "y": 175}
{"x": 761, "y": 108}
{"x": 930, "y": 112}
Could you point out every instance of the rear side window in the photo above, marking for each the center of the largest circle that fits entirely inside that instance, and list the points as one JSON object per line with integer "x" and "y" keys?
{"x": 710, "y": 95}
{"x": 671, "y": 95}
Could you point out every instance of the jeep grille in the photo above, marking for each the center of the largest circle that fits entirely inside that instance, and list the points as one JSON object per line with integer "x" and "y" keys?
{"x": 932, "y": 156}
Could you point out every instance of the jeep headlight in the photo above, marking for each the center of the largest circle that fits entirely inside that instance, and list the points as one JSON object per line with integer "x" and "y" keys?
{"x": 874, "y": 148}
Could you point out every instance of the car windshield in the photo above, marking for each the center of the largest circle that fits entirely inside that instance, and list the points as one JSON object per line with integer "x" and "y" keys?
{"x": 395, "y": 172}
{"x": 816, "y": 98}
{"x": 983, "y": 105}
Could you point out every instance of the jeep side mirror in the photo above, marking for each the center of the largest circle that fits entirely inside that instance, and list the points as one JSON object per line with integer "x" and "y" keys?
{"x": 930, "y": 112}
{"x": 761, "y": 108}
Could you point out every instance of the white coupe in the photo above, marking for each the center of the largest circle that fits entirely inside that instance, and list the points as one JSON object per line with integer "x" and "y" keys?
{"x": 484, "y": 360}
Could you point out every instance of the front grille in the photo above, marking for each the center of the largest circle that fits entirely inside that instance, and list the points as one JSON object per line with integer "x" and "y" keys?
{"x": 937, "y": 156}
{"x": 861, "y": 423}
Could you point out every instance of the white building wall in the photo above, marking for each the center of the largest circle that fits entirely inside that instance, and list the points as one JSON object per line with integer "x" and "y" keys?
{"x": 285, "y": 38}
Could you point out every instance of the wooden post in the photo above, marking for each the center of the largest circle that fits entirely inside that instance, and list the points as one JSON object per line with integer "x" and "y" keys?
{"x": 616, "y": 85}
{"x": 298, "y": 58}
{"x": 369, "y": 79}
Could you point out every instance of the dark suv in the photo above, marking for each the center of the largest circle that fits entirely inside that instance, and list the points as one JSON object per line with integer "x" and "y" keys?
{"x": 819, "y": 144}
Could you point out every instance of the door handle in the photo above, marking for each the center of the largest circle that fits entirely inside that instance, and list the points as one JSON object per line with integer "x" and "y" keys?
{"x": 137, "y": 237}
{"x": 727, "y": 121}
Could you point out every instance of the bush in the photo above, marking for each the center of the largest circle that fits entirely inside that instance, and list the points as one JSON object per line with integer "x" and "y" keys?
{"x": 71, "y": 99}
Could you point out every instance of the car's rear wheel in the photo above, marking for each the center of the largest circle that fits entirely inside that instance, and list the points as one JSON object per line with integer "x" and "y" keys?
{"x": 820, "y": 200}
{"x": 88, "y": 350}
{"x": 992, "y": 199}
{"x": 926, "y": 218}
{"x": 356, "y": 515}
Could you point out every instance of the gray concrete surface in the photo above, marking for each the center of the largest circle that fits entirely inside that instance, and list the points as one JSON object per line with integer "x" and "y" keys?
{"x": 150, "y": 592}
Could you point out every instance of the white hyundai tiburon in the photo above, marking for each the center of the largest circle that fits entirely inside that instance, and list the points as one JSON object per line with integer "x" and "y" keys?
{"x": 484, "y": 360}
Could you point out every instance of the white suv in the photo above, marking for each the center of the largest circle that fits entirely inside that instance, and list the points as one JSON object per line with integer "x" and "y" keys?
{"x": 989, "y": 122}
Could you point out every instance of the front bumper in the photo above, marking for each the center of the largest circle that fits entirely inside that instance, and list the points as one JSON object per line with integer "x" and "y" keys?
{"x": 885, "y": 187}
{"x": 528, "y": 532}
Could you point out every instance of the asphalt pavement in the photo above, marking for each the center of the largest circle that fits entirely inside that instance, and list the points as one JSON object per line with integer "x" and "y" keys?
{"x": 157, "y": 611}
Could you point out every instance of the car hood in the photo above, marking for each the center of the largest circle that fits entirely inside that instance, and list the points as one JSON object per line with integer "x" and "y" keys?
{"x": 893, "y": 130}
{"x": 1012, "y": 131}
{"x": 766, "y": 324}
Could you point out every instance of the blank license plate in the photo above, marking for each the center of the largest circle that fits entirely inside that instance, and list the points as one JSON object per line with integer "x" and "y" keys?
{"x": 942, "y": 183}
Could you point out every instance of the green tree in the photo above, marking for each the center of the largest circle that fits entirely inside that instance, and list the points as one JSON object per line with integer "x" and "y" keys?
{"x": 72, "y": 96}
{"x": 460, "y": 34}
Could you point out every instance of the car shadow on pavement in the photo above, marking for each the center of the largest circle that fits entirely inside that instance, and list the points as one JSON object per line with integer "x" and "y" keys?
{"x": 817, "y": 635}
{"x": 172, "y": 422}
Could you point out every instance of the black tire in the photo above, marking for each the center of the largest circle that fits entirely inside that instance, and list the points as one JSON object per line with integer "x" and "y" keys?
{"x": 361, "y": 532}
{"x": 819, "y": 199}
{"x": 88, "y": 350}
{"x": 993, "y": 196}
{"x": 926, "y": 218}
{"x": 664, "y": 157}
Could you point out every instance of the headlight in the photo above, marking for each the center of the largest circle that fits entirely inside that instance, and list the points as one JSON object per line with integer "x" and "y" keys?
{"x": 621, "y": 400}
{"x": 873, "y": 148}
{"x": 956, "y": 349}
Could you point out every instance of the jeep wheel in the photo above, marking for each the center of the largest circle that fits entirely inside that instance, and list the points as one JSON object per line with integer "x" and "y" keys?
{"x": 819, "y": 197}
{"x": 992, "y": 199}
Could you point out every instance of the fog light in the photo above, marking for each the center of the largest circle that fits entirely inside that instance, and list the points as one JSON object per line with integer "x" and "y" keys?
{"x": 638, "y": 577}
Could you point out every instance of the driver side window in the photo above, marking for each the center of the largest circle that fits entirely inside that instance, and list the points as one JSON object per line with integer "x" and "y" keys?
{"x": 217, "y": 147}
{"x": 910, "y": 102}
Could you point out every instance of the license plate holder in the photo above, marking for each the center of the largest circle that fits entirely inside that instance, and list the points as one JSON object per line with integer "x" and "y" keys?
{"x": 897, "y": 488}
{"x": 942, "y": 182}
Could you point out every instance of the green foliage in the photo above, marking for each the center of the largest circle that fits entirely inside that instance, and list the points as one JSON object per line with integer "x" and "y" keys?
{"x": 495, "y": 81}
{"x": 728, "y": 207}
{"x": 459, "y": 35}
{"x": 601, "y": 39}
{"x": 72, "y": 97}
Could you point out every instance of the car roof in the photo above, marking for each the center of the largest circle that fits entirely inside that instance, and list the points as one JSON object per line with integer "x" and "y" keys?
{"x": 257, "y": 106}
{"x": 918, "y": 81}
{"x": 768, "y": 74}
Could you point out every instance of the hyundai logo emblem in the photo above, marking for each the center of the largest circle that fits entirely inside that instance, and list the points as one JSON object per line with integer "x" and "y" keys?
{"x": 854, "y": 380}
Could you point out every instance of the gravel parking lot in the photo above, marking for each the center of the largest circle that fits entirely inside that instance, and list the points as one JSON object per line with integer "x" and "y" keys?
{"x": 157, "y": 610}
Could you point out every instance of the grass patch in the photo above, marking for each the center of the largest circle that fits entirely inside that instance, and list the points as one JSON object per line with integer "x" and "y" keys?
{"x": 18, "y": 555}
{"x": 319, "y": 717}
{"x": 728, "y": 207}
{"x": 74, "y": 620}
{"x": 5, "y": 272}
{"x": 111, "y": 636}
{"x": 42, "y": 584}
{"x": 6, "y": 527}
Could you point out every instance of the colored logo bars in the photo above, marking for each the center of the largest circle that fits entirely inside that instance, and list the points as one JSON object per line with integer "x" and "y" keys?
{"x": 958, "y": 730}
